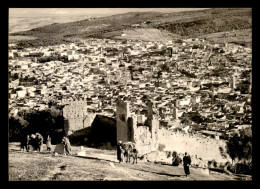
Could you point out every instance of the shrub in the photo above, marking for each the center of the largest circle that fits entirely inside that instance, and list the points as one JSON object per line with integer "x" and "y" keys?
{"x": 214, "y": 163}
{"x": 242, "y": 168}
{"x": 168, "y": 154}
{"x": 161, "y": 147}
{"x": 176, "y": 160}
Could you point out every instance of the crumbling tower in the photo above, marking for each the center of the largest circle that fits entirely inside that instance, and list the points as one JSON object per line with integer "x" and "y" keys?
{"x": 75, "y": 114}
{"x": 145, "y": 136}
{"x": 122, "y": 115}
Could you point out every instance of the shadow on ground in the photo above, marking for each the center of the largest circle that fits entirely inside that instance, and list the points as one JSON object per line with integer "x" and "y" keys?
{"x": 159, "y": 173}
{"x": 87, "y": 157}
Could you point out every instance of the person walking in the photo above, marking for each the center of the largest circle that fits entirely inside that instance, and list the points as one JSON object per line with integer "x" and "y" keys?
{"x": 186, "y": 164}
{"x": 48, "y": 143}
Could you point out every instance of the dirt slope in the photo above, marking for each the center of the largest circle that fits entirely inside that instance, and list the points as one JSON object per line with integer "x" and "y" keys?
{"x": 97, "y": 165}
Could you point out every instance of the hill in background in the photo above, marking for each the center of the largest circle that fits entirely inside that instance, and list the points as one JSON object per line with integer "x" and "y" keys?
{"x": 179, "y": 24}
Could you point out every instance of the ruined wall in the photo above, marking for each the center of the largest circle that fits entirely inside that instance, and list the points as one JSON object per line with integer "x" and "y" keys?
{"x": 143, "y": 140}
{"x": 75, "y": 116}
{"x": 155, "y": 133}
{"x": 145, "y": 136}
{"x": 205, "y": 148}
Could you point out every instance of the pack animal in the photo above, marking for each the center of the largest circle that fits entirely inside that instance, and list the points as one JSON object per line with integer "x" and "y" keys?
{"x": 128, "y": 150}
{"x": 133, "y": 154}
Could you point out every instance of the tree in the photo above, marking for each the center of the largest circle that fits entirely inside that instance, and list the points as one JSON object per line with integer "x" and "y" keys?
{"x": 195, "y": 117}
{"x": 15, "y": 76}
{"x": 239, "y": 147}
{"x": 16, "y": 125}
{"x": 159, "y": 73}
{"x": 165, "y": 67}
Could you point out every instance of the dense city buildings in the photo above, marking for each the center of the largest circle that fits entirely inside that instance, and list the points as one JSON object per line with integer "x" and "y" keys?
{"x": 195, "y": 86}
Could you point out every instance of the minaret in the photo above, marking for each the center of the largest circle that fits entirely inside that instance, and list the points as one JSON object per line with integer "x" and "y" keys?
{"x": 191, "y": 56}
{"x": 175, "y": 112}
{"x": 213, "y": 93}
{"x": 176, "y": 103}
{"x": 170, "y": 52}
{"x": 232, "y": 82}
{"x": 250, "y": 84}
{"x": 149, "y": 113}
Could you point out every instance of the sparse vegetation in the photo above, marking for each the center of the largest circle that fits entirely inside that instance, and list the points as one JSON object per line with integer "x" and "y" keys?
{"x": 222, "y": 20}
{"x": 28, "y": 122}
{"x": 187, "y": 24}
{"x": 161, "y": 147}
{"x": 22, "y": 171}
{"x": 239, "y": 149}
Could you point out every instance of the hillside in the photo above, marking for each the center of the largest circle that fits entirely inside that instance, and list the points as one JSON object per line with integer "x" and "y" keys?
{"x": 185, "y": 24}
{"x": 97, "y": 165}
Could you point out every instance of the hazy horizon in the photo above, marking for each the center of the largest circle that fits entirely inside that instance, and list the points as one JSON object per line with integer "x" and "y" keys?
{"x": 23, "y": 19}
{"x": 49, "y": 12}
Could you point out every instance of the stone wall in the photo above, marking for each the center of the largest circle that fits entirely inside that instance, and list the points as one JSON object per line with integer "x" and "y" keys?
{"x": 145, "y": 136}
{"x": 143, "y": 140}
{"x": 76, "y": 116}
{"x": 205, "y": 148}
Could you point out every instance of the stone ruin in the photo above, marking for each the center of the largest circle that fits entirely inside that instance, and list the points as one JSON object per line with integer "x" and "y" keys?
{"x": 129, "y": 128}
{"x": 76, "y": 116}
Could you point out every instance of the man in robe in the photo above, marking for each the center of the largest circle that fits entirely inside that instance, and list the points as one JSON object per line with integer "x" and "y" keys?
{"x": 186, "y": 164}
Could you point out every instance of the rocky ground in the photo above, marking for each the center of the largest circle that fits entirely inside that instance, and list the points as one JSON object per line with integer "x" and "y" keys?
{"x": 96, "y": 165}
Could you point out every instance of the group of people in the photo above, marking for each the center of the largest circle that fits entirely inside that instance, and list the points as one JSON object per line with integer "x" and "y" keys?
{"x": 36, "y": 141}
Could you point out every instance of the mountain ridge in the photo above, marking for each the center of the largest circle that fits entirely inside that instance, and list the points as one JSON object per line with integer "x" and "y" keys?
{"x": 186, "y": 24}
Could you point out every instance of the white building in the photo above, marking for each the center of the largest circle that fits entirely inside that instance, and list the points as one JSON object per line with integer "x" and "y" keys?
{"x": 21, "y": 94}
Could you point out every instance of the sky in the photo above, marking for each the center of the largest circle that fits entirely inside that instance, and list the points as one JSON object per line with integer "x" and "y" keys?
{"x": 56, "y": 12}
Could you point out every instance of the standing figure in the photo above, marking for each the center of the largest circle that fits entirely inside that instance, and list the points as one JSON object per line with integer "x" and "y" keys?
{"x": 48, "y": 143}
{"x": 39, "y": 141}
{"x": 28, "y": 143}
{"x": 186, "y": 164}
{"x": 67, "y": 146}
{"x": 119, "y": 151}
{"x": 23, "y": 143}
